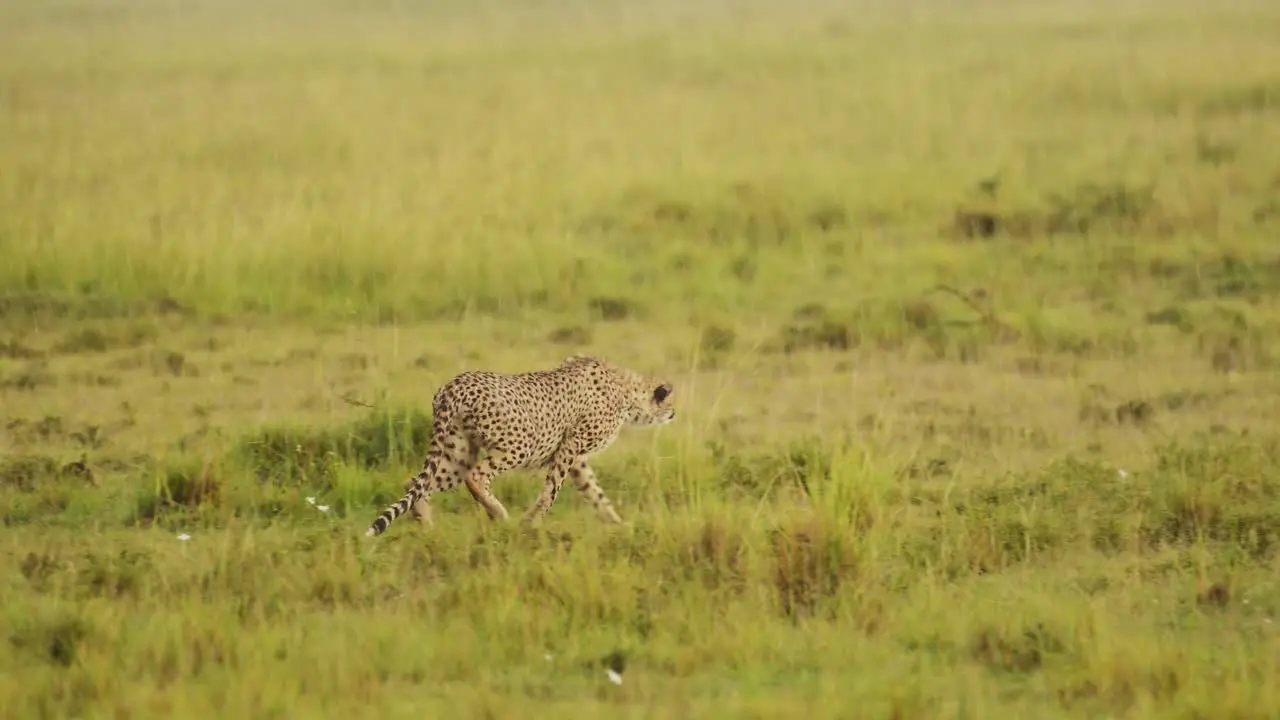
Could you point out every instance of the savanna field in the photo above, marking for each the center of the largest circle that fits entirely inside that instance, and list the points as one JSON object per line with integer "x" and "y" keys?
{"x": 970, "y": 308}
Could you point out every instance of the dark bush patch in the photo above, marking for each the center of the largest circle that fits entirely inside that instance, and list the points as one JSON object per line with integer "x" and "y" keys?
{"x": 1088, "y": 208}
{"x": 744, "y": 268}
{"x": 1098, "y": 207}
{"x": 812, "y": 562}
{"x": 88, "y": 340}
{"x": 124, "y": 573}
{"x": 1263, "y": 97}
{"x": 1266, "y": 212}
{"x": 47, "y": 428}
{"x": 26, "y": 472}
{"x": 1217, "y": 493}
{"x": 1235, "y": 277}
{"x": 57, "y": 642}
{"x": 739, "y": 213}
{"x": 929, "y": 469}
{"x": 717, "y": 339}
{"x": 1132, "y": 412}
{"x": 1220, "y": 493}
{"x": 1014, "y": 652}
{"x": 355, "y": 361}
{"x": 1124, "y": 684}
{"x": 1062, "y": 484}
{"x": 763, "y": 473}
{"x": 1236, "y": 350}
{"x": 192, "y": 486}
{"x": 1136, "y": 412}
{"x": 171, "y": 362}
{"x": 93, "y": 340}
{"x": 34, "y": 377}
{"x": 39, "y": 569}
{"x": 827, "y": 216}
{"x": 891, "y": 324}
{"x": 1017, "y": 519}
{"x": 813, "y": 328}
{"x": 1214, "y": 152}
{"x": 40, "y": 308}
{"x": 1172, "y": 316}
{"x": 182, "y": 487}
{"x": 716, "y": 557}
{"x": 17, "y": 351}
{"x": 570, "y": 335}
{"x": 609, "y": 308}
{"x": 1216, "y": 596}
{"x": 92, "y": 379}
{"x": 379, "y": 440}
{"x": 1185, "y": 399}
{"x": 975, "y": 224}
{"x": 714, "y": 344}
{"x": 91, "y": 436}
{"x": 822, "y": 335}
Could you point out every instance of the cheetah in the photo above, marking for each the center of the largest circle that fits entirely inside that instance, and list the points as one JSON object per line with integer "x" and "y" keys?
{"x": 548, "y": 419}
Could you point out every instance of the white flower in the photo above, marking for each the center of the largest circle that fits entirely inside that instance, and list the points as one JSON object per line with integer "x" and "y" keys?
{"x": 614, "y": 677}
{"x": 184, "y": 537}
{"x": 322, "y": 508}
{"x": 311, "y": 500}
{"x": 1123, "y": 474}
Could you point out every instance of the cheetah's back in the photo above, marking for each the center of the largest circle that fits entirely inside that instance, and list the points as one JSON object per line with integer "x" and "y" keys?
{"x": 527, "y": 413}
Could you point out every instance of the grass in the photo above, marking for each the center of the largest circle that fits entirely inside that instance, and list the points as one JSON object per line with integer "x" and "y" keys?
{"x": 971, "y": 312}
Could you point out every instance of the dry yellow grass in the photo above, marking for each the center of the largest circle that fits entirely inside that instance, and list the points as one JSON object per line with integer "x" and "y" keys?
{"x": 971, "y": 309}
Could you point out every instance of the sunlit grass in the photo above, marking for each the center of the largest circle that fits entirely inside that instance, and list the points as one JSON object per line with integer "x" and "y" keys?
{"x": 970, "y": 309}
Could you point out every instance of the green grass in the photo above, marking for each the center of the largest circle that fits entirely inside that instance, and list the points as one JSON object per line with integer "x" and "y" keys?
{"x": 971, "y": 312}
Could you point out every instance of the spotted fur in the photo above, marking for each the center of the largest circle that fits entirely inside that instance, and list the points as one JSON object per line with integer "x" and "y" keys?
{"x": 554, "y": 419}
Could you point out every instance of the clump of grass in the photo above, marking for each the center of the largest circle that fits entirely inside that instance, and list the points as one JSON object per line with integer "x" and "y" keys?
{"x": 963, "y": 551}
{"x": 55, "y": 640}
{"x": 1219, "y": 493}
{"x": 377, "y": 440}
{"x": 182, "y": 488}
{"x": 1012, "y": 650}
{"x": 27, "y": 472}
{"x": 813, "y": 563}
{"x": 714, "y": 553}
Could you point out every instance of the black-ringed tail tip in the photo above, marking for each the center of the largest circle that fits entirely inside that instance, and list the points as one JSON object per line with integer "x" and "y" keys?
{"x": 377, "y": 527}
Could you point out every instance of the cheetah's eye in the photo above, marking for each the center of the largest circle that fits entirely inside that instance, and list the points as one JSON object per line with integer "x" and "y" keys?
{"x": 661, "y": 393}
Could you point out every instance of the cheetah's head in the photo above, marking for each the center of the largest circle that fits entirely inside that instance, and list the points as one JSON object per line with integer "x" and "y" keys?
{"x": 652, "y": 403}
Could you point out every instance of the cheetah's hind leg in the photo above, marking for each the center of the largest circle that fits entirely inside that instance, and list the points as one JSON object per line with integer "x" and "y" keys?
{"x": 480, "y": 482}
{"x": 462, "y": 453}
{"x": 562, "y": 464}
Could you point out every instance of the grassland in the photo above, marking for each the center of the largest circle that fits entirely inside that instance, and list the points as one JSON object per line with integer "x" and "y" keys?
{"x": 971, "y": 309}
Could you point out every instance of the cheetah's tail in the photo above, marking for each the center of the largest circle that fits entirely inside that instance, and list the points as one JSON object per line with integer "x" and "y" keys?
{"x": 394, "y": 511}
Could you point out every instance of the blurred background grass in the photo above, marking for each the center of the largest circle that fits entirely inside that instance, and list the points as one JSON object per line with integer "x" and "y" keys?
{"x": 970, "y": 306}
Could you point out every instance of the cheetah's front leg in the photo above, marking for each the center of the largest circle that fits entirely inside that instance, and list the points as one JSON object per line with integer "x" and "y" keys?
{"x": 584, "y": 478}
{"x": 562, "y": 463}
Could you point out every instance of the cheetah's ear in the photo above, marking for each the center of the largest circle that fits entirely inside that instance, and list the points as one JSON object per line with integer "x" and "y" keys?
{"x": 661, "y": 392}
